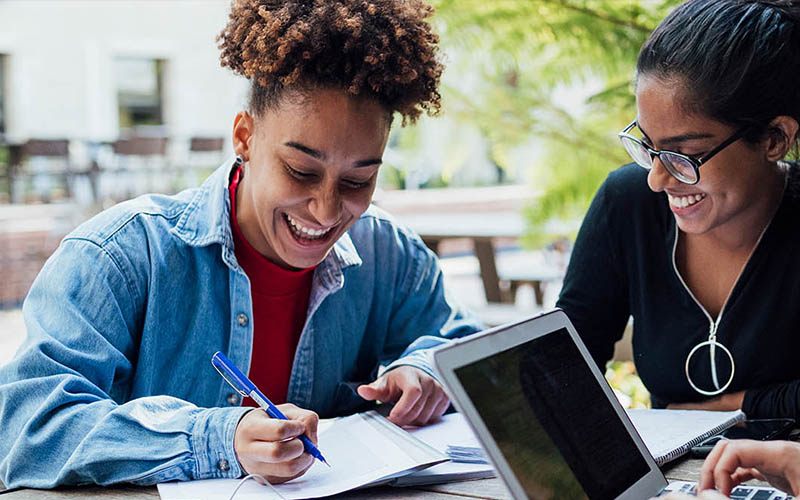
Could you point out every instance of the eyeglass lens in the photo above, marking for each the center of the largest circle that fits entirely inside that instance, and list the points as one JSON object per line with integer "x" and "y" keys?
{"x": 638, "y": 152}
{"x": 677, "y": 166}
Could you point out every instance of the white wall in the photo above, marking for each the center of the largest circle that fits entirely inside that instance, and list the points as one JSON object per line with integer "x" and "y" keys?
{"x": 60, "y": 65}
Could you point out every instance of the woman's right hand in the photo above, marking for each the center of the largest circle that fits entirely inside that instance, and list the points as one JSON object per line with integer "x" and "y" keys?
{"x": 703, "y": 495}
{"x": 270, "y": 447}
{"x": 732, "y": 462}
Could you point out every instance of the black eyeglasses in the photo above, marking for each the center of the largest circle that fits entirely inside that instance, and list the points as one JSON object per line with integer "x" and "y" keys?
{"x": 683, "y": 167}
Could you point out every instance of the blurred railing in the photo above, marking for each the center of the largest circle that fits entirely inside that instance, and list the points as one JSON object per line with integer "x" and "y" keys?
{"x": 101, "y": 173}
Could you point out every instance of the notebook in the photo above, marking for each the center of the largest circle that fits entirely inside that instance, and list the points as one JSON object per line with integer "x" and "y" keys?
{"x": 670, "y": 434}
{"x": 546, "y": 416}
{"x": 363, "y": 449}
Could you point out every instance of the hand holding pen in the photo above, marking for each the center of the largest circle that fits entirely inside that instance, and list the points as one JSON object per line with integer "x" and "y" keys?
{"x": 263, "y": 440}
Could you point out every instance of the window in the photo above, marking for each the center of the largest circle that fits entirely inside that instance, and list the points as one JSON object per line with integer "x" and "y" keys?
{"x": 139, "y": 91}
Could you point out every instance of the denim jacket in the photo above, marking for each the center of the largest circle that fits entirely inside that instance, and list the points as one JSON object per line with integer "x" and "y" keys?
{"x": 114, "y": 383}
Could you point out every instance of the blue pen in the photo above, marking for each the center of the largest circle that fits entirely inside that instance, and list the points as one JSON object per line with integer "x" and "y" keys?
{"x": 243, "y": 386}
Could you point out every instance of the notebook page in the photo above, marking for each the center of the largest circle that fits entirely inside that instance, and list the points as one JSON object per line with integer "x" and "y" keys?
{"x": 668, "y": 434}
{"x": 359, "y": 454}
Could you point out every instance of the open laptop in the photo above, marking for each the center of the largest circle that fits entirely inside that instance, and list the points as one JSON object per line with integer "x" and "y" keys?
{"x": 547, "y": 418}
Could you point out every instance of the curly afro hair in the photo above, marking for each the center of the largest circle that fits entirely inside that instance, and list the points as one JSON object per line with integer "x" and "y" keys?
{"x": 384, "y": 49}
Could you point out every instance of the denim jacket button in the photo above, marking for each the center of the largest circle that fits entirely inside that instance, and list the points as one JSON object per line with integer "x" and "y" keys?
{"x": 242, "y": 319}
{"x": 232, "y": 399}
{"x": 223, "y": 465}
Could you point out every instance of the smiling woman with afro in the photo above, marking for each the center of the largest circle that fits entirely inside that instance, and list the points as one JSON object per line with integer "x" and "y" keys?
{"x": 278, "y": 261}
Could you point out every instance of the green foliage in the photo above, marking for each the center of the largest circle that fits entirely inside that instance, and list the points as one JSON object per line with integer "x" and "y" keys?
{"x": 621, "y": 375}
{"x": 550, "y": 74}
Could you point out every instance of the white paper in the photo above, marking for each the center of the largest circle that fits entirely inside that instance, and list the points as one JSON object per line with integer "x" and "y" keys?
{"x": 358, "y": 454}
{"x": 451, "y": 430}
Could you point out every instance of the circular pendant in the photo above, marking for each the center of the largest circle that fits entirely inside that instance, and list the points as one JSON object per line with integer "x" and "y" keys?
{"x": 712, "y": 344}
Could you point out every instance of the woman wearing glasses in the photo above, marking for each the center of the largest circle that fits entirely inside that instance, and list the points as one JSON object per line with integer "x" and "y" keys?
{"x": 698, "y": 239}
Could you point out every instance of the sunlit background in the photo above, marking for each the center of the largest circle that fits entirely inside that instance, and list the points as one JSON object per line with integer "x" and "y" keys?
{"x": 101, "y": 101}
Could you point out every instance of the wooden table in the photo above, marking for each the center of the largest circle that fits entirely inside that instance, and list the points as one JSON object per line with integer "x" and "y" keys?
{"x": 492, "y": 489}
{"x": 482, "y": 488}
{"x": 480, "y": 227}
{"x": 479, "y": 214}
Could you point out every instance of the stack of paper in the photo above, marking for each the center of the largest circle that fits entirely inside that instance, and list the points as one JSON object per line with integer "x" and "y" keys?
{"x": 451, "y": 432}
{"x": 466, "y": 454}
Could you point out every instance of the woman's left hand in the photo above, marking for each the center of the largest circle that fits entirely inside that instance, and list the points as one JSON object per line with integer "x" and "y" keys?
{"x": 420, "y": 398}
{"x": 726, "y": 402}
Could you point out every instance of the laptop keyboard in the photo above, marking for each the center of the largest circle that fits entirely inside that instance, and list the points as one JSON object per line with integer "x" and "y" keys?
{"x": 750, "y": 493}
{"x": 738, "y": 493}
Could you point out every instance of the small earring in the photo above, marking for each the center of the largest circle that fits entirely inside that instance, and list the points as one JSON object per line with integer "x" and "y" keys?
{"x": 239, "y": 160}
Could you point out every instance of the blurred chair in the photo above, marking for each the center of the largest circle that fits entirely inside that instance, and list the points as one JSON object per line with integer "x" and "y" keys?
{"x": 206, "y": 144}
{"x": 40, "y": 170}
{"x": 140, "y": 165}
{"x": 141, "y": 146}
{"x": 205, "y": 154}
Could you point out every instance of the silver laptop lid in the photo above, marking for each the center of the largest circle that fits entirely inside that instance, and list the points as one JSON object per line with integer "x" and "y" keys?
{"x": 545, "y": 414}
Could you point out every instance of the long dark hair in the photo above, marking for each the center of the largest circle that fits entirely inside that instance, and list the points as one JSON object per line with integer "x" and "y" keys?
{"x": 738, "y": 61}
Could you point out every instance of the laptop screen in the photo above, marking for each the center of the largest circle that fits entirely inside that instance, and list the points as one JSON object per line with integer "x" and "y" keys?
{"x": 552, "y": 422}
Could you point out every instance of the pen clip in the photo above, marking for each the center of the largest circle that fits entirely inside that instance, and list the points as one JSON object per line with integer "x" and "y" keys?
{"x": 215, "y": 362}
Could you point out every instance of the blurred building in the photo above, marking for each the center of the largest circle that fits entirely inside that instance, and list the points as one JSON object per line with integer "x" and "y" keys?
{"x": 100, "y": 101}
{"x": 95, "y": 71}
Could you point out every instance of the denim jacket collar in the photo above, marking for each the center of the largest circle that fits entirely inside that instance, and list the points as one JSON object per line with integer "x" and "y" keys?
{"x": 206, "y": 221}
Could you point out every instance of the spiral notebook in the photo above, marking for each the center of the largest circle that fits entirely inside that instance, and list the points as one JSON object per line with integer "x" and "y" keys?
{"x": 669, "y": 434}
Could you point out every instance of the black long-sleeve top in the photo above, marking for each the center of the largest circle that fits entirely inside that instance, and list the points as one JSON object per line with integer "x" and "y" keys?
{"x": 623, "y": 265}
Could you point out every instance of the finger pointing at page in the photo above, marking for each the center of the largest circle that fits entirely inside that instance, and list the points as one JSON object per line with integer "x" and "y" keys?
{"x": 420, "y": 398}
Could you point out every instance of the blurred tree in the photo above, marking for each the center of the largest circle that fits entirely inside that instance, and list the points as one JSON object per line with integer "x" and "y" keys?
{"x": 551, "y": 74}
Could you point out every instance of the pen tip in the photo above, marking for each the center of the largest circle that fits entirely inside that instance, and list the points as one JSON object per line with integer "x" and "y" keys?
{"x": 326, "y": 463}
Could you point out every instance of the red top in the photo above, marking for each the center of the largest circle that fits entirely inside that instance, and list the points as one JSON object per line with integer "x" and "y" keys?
{"x": 280, "y": 301}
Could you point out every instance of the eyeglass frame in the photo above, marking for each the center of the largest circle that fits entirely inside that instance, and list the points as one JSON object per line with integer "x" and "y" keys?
{"x": 696, "y": 163}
